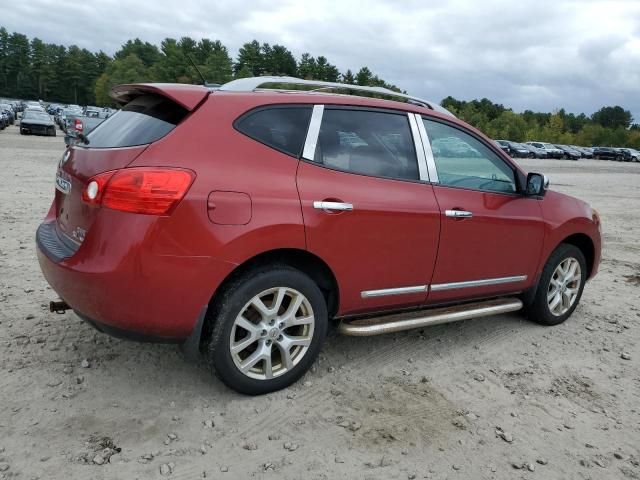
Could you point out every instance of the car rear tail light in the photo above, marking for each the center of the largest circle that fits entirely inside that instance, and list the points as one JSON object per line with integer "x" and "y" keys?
{"x": 77, "y": 125}
{"x": 150, "y": 191}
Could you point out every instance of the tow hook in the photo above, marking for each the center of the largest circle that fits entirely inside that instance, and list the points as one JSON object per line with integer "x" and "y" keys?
{"x": 58, "y": 307}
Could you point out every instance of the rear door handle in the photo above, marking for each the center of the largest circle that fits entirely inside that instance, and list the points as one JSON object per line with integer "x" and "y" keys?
{"x": 337, "y": 206}
{"x": 458, "y": 213}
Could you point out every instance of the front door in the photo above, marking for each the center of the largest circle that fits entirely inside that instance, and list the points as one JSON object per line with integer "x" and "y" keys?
{"x": 366, "y": 211}
{"x": 491, "y": 235}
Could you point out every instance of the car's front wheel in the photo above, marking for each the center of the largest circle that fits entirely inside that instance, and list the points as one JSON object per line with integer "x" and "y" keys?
{"x": 560, "y": 286}
{"x": 268, "y": 329}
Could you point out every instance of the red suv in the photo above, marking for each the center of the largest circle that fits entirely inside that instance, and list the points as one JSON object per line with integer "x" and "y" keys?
{"x": 239, "y": 221}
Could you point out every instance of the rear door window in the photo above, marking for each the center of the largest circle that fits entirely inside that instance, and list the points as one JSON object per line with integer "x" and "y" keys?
{"x": 283, "y": 128}
{"x": 143, "y": 120}
{"x": 368, "y": 143}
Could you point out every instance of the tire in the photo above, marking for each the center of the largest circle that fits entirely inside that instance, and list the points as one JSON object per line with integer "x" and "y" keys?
{"x": 267, "y": 329}
{"x": 566, "y": 156}
{"x": 532, "y": 155}
{"x": 540, "y": 311}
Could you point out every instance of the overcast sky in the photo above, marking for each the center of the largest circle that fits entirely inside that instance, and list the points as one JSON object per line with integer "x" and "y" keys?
{"x": 526, "y": 54}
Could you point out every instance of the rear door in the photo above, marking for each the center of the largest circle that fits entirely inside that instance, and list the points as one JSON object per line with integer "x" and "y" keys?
{"x": 367, "y": 210}
{"x": 491, "y": 235}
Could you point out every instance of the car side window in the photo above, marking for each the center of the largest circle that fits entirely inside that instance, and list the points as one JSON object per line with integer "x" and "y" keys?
{"x": 465, "y": 162}
{"x": 368, "y": 143}
{"x": 282, "y": 128}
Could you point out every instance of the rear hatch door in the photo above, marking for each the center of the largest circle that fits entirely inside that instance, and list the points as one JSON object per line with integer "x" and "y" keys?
{"x": 148, "y": 114}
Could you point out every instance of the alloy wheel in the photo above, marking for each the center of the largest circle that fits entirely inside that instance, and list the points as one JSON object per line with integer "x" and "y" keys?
{"x": 564, "y": 286}
{"x": 272, "y": 333}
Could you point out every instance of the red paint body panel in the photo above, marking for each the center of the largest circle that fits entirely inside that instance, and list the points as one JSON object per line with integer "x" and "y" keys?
{"x": 389, "y": 239}
{"x": 154, "y": 274}
{"x": 503, "y": 239}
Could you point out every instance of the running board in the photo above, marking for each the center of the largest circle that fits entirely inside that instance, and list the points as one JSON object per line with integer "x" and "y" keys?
{"x": 365, "y": 327}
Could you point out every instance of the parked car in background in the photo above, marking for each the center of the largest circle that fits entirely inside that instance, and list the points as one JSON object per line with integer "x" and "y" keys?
{"x": 514, "y": 149}
{"x": 346, "y": 214}
{"x": 569, "y": 153}
{"x": 535, "y": 152}
{"x": 34, "y": 122}
{"x": 503, "y": 146}
{"x": 10, "y": 113}
{"x": 585, "y": 151}
{"x": 624, "y": 155}
{"x": 4, "y": 120}
{"x": 66, "y": 115}
{"x": 634, "y": 154}
{"x": 79, "y": 126}
{"x": 605, "y": 153}
{"x": 552, "y": 150}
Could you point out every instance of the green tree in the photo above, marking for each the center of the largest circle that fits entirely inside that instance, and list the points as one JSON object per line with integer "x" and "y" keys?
{"x": 613, "y": 117}
{"x": 250, "y": 56}
{"x": 145, "y": 51}
{"x": 218, "y": 67}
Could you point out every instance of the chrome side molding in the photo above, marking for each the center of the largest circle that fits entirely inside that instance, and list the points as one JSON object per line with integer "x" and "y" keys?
{"x": 394, "y": 291}
{"x": 407, "y": 321}
{"x": 477, "y": 283}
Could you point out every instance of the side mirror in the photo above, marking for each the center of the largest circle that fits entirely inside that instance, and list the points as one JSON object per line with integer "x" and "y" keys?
{"x": 537, "y": 185}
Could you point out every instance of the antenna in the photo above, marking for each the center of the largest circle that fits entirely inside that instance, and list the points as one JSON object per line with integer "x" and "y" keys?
{"x": 204, "y": 82}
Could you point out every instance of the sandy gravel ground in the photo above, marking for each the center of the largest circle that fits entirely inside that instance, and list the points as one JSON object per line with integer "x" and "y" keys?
{"x": 491, "y": 398}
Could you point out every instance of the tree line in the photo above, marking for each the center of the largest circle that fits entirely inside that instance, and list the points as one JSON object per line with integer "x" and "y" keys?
{"x": 36, "y": 69}
{"x": 609, "y": 126}
{"x": 31, "y": 68}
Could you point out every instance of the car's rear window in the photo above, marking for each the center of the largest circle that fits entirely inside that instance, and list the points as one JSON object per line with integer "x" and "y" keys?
{"x": 143, "y": 120}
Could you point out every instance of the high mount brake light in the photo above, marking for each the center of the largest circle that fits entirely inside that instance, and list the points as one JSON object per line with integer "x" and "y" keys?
{"x": 150, "y": 191}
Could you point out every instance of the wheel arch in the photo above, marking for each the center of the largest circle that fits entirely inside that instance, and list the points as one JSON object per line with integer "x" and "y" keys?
{"x": 583, "y": 242}
{"x": 308, "y": 263}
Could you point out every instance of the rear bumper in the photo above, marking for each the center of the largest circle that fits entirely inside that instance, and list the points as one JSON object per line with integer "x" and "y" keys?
{"x": 117, "y": 283}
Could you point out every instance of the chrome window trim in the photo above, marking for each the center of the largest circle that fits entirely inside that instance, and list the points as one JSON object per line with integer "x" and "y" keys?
{"x": 423, "y": 172}
{"x": 313, "y": 133}
{"x": 393, "y": 291}
{"x": 428, "y": 152}
{"x": 477, "y": 283}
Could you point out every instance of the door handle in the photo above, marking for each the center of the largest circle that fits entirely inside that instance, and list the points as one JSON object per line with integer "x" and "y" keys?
{"x": 338, "y": 206}
{"x": 458, "y": 213}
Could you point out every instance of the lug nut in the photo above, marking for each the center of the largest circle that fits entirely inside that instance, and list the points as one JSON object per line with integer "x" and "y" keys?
{"x": 281, "y": 325}
{"x": 272, "y": 322}
{"x": 268, "y": 342}
{"x": 280, "y": 337}
{"x": 264, "y": 332}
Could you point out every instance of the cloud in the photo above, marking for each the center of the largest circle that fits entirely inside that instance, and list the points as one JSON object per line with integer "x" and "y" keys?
{"x": 530, "y": 54}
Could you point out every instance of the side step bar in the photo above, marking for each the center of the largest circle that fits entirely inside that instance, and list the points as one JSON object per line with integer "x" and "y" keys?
{"x": 366, "y": 327}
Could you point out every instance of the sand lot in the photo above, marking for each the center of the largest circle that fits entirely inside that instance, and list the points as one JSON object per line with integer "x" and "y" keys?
{"x": 498, "y": 397}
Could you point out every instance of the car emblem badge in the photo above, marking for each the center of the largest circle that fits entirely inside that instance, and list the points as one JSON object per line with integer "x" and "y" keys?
{"x": 63, "y": 185}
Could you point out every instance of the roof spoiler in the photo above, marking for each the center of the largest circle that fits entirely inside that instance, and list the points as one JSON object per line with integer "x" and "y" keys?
{"x": 185, "y": 95}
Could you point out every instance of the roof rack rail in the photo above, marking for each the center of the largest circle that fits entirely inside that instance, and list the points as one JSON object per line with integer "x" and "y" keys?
{"x": 253, "y": 84}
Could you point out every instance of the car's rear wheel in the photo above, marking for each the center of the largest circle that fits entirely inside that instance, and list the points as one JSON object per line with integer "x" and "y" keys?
{"x": 532, "y": 155}
{"x": 268, "y": 329}
{"x": 560, "y": 286}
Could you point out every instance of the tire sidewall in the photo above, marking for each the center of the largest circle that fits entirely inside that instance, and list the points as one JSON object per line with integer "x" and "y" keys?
{"x": 540, "y": 311}
{"x": 235, "y": 299}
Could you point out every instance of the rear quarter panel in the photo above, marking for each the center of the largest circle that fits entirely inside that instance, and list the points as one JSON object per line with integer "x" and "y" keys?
{"x": 225, "y": 160}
